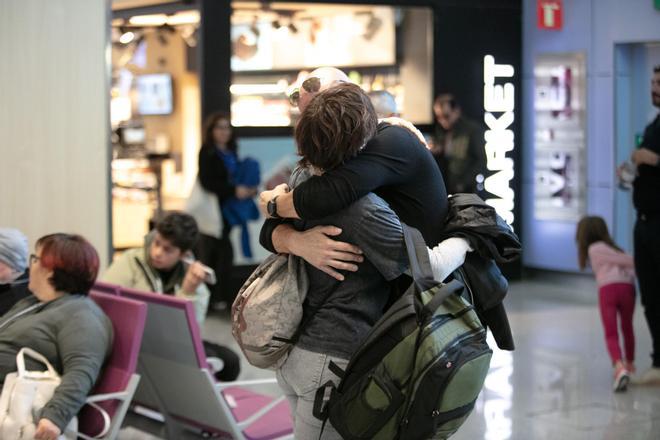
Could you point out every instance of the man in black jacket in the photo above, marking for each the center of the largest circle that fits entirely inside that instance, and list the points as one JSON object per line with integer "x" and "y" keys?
{"x": 394, "y": 164}
{"x": 14, "y": 275}
{"x": 646, "y": 198}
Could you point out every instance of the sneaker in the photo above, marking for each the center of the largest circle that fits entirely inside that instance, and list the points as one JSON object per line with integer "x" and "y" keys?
{"x": 649, "y": 377}
{"x": 630, "y": 366}
{"x": 621, "y": 379}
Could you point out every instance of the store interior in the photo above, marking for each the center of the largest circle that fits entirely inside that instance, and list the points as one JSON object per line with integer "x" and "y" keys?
{"x": 156, "y": 114}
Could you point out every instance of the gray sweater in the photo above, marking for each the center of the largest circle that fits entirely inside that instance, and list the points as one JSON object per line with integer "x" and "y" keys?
{"x": 73, "y": 333}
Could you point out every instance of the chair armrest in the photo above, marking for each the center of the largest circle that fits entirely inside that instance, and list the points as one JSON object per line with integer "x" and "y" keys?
{"x": 242, "y": 383}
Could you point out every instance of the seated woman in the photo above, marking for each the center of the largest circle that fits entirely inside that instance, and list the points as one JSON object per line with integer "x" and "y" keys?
{"x": 62, "y": 324}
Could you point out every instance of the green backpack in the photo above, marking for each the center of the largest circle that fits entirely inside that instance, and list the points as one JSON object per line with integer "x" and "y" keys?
{"x": 420, "y": 369}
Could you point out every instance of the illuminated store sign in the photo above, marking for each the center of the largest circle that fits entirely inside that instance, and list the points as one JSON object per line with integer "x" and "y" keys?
{"x": 499, "y": 98}
{"x": 550, "y": 14}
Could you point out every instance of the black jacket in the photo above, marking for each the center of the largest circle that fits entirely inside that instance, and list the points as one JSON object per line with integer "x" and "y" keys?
{"x": 11, "y": 293}
{"x": 492, "y": 241}
{"x": 213, "y": 175}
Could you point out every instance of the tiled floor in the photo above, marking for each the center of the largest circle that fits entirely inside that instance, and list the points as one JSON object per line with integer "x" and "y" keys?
{"x": 555, "y": 385}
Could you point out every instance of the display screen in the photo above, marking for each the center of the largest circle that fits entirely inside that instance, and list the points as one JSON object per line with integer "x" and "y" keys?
{"x": 154, "y": 94}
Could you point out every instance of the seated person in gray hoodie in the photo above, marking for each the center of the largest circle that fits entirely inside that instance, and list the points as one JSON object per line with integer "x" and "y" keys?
{"x": 61, "y": 323}
{"x": 13, "y": 268}
{"x": 158, "y": 267}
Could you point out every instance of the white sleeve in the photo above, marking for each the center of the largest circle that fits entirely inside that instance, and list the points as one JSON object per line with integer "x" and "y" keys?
{"x": 447, "y": 256}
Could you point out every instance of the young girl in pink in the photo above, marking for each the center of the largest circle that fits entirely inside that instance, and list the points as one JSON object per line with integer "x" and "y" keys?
{"x": 615, "y": 277}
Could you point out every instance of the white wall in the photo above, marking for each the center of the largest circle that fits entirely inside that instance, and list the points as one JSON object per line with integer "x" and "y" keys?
{"x": 54, "y": 154}
{"x": 594, "y": 27}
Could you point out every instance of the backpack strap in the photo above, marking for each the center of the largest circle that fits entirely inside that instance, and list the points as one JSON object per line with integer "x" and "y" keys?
{"x": 454, "y": 286}
{"x": 420, "y": 268}
{"x": 320, "y": 410}
{"x": 418, "y": 257}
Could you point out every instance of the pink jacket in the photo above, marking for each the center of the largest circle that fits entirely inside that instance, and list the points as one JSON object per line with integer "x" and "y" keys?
{"x": 610, "y": 265}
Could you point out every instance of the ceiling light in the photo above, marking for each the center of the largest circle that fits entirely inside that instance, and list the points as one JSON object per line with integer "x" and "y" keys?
{"x": 126, "y": 37}
{"x": 184, "y": 17}
{"x": 148, "y": 20}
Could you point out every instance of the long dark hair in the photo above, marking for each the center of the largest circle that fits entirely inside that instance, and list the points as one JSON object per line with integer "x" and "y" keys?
{"x": 591, "y": 229}
{"x": 210, "y": 122}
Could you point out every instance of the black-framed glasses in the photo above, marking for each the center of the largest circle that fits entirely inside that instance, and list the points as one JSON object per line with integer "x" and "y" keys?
{"x": 311, "y": 85}
{"x": 34, "y": 259}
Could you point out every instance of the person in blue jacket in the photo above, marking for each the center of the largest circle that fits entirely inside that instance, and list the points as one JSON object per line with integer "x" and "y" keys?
{"x": 218, "y": 168}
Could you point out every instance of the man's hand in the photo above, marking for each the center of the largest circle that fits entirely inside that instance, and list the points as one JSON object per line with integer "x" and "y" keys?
{"x": 46, "y": 430}
{"x": 408, "y": 126}
{"x": 644, "y": 156}
{"x": 317, "y": 248}
{"x": 267, "y": 196}
{"x": 194, "y": 277}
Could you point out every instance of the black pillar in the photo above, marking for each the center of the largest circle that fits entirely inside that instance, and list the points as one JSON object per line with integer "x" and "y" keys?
{"x": 214, "y": 54}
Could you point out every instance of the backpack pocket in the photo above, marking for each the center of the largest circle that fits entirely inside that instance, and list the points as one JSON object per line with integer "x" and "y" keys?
{"x": 362, "y": 410}
{"x": 457, "y": 378}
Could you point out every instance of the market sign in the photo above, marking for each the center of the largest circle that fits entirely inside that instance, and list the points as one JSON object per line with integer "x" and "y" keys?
{"x": 499, "y": 99}
{"x": 550, "y": 14}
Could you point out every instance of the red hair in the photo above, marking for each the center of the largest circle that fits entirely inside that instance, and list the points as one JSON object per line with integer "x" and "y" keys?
{"x": 73, "y": 260}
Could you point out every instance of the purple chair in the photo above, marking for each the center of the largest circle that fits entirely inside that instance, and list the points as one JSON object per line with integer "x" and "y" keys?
{"x": 104, "y": 287}
{"x": 178, "y": 383}
{"x": 118, "y": 381}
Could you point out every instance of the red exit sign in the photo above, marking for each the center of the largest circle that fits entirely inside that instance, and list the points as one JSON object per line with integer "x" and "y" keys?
{"x": 550, "y": 14}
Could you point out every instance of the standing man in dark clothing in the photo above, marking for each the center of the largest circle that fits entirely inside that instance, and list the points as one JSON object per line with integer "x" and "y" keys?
{"x": 646, "y": 198}
{"x": 458, "y": 146}
{"x": 394, "y": 164}
{"x": 14, "y": 274}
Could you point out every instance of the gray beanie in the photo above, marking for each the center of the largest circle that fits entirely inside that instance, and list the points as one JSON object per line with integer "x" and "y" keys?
{"x": 13, "y": 249}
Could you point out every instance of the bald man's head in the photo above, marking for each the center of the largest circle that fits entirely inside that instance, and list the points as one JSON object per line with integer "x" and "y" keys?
{"x": 327, "y": 77}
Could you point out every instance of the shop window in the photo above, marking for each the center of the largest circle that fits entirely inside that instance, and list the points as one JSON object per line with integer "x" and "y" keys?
{"x": 379, "y": 47}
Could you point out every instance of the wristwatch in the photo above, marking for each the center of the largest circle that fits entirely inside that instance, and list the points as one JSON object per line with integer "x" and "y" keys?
{"x": 272, "y": 207}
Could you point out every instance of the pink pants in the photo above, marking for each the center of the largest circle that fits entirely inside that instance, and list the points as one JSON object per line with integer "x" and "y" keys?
{"x": 618, "y": 299}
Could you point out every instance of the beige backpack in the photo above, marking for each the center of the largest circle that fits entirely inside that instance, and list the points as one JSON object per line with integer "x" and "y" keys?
{"x": 268, "y": 310}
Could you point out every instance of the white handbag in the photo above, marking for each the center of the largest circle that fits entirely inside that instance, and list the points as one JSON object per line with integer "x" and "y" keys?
{"x": 24, "y": 393}
{"x": 204, "y": 207}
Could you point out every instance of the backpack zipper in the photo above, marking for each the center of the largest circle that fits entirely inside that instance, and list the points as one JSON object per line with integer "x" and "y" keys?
{"x": 438, "y": 321}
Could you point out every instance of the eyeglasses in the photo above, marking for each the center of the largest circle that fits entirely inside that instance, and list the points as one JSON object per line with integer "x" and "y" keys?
{"x": 311, "y": 85}
{"x": 34, "y": 259}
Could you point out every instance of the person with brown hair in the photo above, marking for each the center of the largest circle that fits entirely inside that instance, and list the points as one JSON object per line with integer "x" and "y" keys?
{"x": 615, "y": 276}
{"x": 218, "y": 162}
{"x": 333, "y": 129}
{"x": 394, "y": 164}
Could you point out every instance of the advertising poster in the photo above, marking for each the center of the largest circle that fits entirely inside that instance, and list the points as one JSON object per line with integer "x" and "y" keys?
{"x": 559, "y": 137}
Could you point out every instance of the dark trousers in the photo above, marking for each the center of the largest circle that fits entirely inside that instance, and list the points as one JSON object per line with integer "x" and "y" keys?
{"x": 647, "y": 266}
{"x": 218, "y": 254}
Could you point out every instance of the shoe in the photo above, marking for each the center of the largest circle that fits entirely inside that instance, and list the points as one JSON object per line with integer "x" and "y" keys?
{"x": 630, "y": 366}
{"x": 649, "y": 377}
{"x": 621, "y": 379}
